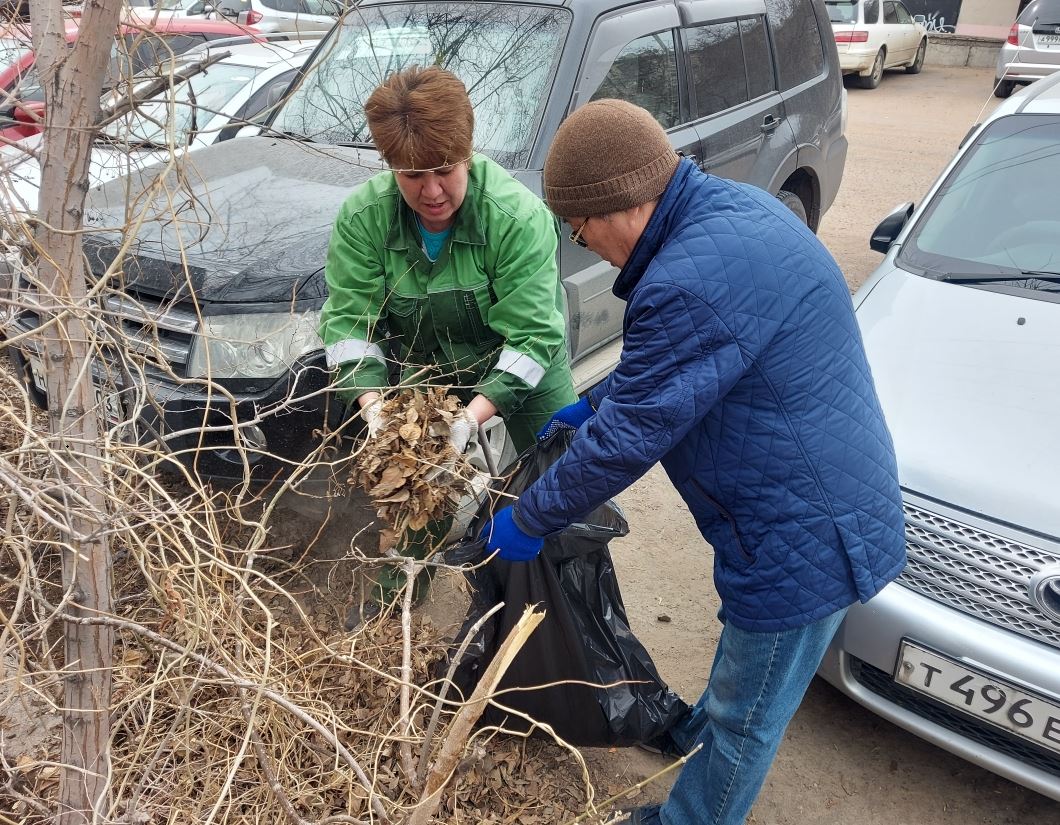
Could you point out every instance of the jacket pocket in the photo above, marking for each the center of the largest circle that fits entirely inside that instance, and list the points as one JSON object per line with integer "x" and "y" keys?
{"x": 460, "y": 314}
{"x": 404, "y": 319}
{"x": 728, "y": 517}
{"x": 852, "y": 539}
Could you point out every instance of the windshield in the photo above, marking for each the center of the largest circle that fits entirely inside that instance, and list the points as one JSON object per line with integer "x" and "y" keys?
{"x": 998, "y": 212}
{"x": 505, "y": 54}
{"x": 842, "y": 11}
{"x": 171, "y": 113}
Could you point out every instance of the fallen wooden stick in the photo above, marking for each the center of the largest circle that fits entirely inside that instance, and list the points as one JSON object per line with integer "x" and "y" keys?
{"x": 468, "y": 715}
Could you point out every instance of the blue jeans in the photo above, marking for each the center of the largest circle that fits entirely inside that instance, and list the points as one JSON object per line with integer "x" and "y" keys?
{"x": 756, "y": 684}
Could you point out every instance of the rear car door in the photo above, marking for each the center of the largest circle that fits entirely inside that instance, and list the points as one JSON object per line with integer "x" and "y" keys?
{"x": 738, "y": 110}
{"x": 631, "y": 54}
{"x": 909, "y": 34}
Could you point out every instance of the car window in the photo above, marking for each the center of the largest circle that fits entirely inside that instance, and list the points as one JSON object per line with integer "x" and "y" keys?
{"x": 174, "y": 116}
{"x": 872, "y": 11}
{"x": 232, "y": 8}
{"x": 842, "y": 11}
{"x": 890, "y": 14}
{"x": 904, "y": 17}
{"x": 506, "y": 55}
{"x": 324, "y": 7}
{"x": 761, "y": 79}
{"x": 260, "y": 104}
{"x": 715, "y": 60}
{"x": 992, "y": 215}
{"x": 1038, "y": 8}
{"x": 797, "y": 38}
{"x": 645, "y": 73}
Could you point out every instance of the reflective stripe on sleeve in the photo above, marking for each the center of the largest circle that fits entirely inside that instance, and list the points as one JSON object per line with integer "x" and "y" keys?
{"x": 352, "y": 349}
{"x": 521, "y": 366}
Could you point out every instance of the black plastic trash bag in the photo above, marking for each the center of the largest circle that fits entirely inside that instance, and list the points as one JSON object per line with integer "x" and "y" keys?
{"x": 584, "y": 637}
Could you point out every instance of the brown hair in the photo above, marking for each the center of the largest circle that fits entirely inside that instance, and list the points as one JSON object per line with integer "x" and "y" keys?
{"x": 421, "y": 118}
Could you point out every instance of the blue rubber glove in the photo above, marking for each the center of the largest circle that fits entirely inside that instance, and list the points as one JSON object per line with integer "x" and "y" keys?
{"x": 570, "y": 417}
{"x": 503, "y": 536}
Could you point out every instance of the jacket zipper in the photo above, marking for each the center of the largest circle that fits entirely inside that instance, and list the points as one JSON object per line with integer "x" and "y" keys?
{"x": 725, "y": 514}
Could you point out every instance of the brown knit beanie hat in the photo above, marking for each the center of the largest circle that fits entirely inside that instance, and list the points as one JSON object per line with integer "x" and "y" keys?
{"x": 608, "y": 156}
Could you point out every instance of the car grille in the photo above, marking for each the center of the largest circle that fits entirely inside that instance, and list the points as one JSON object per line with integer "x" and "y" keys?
{"x": 976, "y": 572}
{"x": 161, "y": 333}
{"x": 881, "y": 684}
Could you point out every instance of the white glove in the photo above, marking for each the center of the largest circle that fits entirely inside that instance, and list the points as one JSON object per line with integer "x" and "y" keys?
{"x": 374, "y": 417}
{"x": 462, "y": 430}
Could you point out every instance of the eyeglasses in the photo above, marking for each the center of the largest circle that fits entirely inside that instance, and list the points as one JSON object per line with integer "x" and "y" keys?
{"x": 575, "y": 237}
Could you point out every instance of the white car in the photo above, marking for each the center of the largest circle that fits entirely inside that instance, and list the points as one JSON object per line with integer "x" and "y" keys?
{"x": 148, "y": 10}
{"x": 961, "y": 324}
{"x": 873, "y": 35}
{"x": 283, "y": 15}
{"x": 251, "y": 80}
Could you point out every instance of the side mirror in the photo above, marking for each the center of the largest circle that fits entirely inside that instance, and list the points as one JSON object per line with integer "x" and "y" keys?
{"x": 890, "y": 228}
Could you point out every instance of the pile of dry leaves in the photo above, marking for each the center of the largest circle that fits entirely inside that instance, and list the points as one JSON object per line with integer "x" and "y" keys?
{"x": 410, "y": 470}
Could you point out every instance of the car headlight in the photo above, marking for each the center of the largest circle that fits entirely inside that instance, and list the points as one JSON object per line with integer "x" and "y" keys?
{"x": 261, "y": 345}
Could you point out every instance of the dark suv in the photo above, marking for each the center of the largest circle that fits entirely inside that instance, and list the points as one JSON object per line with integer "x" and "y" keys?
{"x": 221, "y": 296}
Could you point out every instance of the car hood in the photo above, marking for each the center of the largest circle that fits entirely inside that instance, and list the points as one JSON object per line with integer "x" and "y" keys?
{"x": 969, "y": 380}
{"x": 106, "y": 164}
{"x": 251, "y": 217}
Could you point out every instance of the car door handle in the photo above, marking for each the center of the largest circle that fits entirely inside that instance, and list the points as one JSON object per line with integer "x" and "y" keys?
{"x": 771, "y": 123}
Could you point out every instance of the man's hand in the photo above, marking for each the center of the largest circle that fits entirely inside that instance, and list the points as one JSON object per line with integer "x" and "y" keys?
{"x": 462, "y": 430}
{"x": 374, "y": 417}
{"x": 570, "y": 417}
{"x": 504, "y": 537}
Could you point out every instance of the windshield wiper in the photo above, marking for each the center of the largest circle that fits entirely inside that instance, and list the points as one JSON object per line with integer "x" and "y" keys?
{"x": 357, "y": 144}
{"x": 983, "y": 278}
{"x": 128, "y": 142}
{"x": 287, "y": 135}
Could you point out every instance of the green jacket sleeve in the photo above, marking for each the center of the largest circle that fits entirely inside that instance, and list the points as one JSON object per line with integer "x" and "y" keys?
{"x": 350, "y": 320}
{"x": 527, "y": 310}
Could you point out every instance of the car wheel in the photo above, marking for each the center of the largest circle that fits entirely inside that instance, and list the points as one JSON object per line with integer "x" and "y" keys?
{"x": 875, "y": 75}
{"x": 918, "y": 61}
{"x": 794, "y": 203}
{"x": 1003, "y": 88}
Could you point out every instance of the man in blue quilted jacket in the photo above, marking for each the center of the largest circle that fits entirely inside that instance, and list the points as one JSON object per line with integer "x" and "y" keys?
{"x": 744, "y": 373}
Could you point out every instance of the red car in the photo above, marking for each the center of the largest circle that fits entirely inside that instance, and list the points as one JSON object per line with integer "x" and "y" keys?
{"x": 146, "y": 44}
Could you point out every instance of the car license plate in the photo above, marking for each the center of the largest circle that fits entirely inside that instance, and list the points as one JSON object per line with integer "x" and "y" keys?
{"x": 109, "y": 403}
{"x": 1047, "y": 39}
{"x": 986, "y": 697}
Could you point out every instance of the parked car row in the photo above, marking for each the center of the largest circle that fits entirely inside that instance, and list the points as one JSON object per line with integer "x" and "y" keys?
{"x": 208, "y": 107}
{"x": 235, "y": 286}
{"x": 142, "y": 46}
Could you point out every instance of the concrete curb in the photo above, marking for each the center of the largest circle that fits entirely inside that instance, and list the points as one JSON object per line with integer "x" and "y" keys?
{"x": 962, "y": 50}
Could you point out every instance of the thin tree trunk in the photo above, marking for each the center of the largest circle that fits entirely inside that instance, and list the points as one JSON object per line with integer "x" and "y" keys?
{"x": 73, "y": 79}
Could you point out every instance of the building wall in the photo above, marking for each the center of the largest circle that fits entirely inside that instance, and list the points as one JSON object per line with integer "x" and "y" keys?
{"x": 987, "y": 18}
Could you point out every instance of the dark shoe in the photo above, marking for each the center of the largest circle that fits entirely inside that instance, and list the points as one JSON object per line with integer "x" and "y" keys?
{"x": 362, "y": 614}
{"x": 646, "y": 815}
{"x": 664, "y": 746}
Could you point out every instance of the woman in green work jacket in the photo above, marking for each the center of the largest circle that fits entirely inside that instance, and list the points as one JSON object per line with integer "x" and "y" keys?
{"x": 448, "y": 264}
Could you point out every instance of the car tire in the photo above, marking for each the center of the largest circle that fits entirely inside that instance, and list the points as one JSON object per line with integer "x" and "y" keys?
{"x": 875, "y": 75}
{"x": 918, "y": 61}
{"x": 1003, "y": 88}
{"x": 794, "y": 203}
